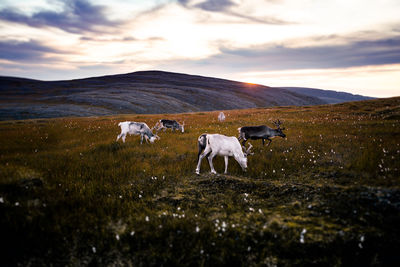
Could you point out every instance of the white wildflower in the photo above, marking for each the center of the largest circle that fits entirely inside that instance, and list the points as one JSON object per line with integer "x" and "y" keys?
{"x": 303, "y": 232}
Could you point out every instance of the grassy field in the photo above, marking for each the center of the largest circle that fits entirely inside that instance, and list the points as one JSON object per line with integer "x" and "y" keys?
{"x": 328, "y": 194}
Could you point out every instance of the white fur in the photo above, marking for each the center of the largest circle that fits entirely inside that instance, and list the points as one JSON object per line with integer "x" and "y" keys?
{"x": 226, "y": 146}
{"x": 136, "y": 128}
{"x": 221, "y": 116}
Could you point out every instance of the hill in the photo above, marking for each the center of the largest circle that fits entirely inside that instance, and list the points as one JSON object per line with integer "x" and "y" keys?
{"x": 329, "y": 96}
{"x": 326, "y": 195}
{"x": 146, "y": 92}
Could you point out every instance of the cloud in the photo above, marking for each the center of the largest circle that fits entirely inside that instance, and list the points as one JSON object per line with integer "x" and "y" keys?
{"x": 48, "y": 72}
{"x": 359, "y": 53}
{"x": 121, "y": 39}
{"x": 374, "y": 52}
{"x": 102, "y": 39}
{"x": 25, "y": 51}
{"x": 77, "y": 16}
{"x": 215, "y": 5}
{"x": 232, "y": 9}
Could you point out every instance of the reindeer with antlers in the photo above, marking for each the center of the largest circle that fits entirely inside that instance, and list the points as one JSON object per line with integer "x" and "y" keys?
{"x": 226, "y": 146}
{"x": 260, "y": 132}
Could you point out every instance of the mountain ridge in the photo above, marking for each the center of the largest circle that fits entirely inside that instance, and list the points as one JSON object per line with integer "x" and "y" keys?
{"x": 143, "y": 92}
{"x": 330, "y": 96}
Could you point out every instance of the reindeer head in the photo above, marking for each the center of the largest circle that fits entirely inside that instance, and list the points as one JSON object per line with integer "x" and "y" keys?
{"x": 153, "y": 138}
{"x": 243, "y": 160}
{"x": 279, "y": 129}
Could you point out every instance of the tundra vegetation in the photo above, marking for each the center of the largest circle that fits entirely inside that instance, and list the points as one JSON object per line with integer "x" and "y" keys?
{"x": 326, "y": 195}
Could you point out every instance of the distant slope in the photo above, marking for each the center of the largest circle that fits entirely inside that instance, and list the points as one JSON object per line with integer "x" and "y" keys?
{"x": 329, "y": 96}
{"x": 146, "y": 92}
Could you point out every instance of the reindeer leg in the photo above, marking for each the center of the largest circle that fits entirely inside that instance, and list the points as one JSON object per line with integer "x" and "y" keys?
{"x": 263, "y": 140}
{"x": 270, "y": 140}
{"x": 205, "y": 152}
{"x": 210, "y": 158}
{"x": 198, "y": 154}
{"x": 226, "y": 164}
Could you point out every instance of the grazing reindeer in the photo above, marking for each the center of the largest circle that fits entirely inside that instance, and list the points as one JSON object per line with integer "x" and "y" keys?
{"x": 260, "y": 132}
{"x": 171, "y": 124}
{"x": 226, "y": 146}
{"x": 221, "y": 117}
{"x": 136, "y": 128}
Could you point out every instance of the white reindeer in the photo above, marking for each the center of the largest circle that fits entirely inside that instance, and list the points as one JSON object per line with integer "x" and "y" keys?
{"x": 221, "y": 117}
{"x": 136, "y": 128}
{"x": 226, "y": 146}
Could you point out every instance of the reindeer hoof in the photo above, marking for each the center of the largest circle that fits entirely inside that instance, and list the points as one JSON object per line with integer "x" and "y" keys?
{"x": 213, "y": 172}
{"x": 197, "y": 172}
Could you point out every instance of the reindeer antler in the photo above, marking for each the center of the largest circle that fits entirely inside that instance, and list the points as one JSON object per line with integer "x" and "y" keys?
{"x": 156, "y": 126}
{"x": 278, "y": 123}
{"x": 247, "y": 151}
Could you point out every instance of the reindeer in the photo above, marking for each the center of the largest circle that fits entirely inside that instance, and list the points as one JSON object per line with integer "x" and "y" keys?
{"x": 136, "y": 128}
{"x": 221, "y": 116}
{"x": 226, "y": 146}
{"x": 171, "y": 124}
{"x": 260, "y": 132}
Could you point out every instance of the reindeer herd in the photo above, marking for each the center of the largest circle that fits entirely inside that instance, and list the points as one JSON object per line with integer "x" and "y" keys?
{"x": 209, "y": 145}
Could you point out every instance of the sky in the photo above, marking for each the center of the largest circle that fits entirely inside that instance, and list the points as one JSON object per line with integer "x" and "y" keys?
{"x": 350, "y": 46}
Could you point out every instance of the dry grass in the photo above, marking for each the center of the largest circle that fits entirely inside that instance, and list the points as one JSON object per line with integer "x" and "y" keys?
{"x": 72, "y": 195}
